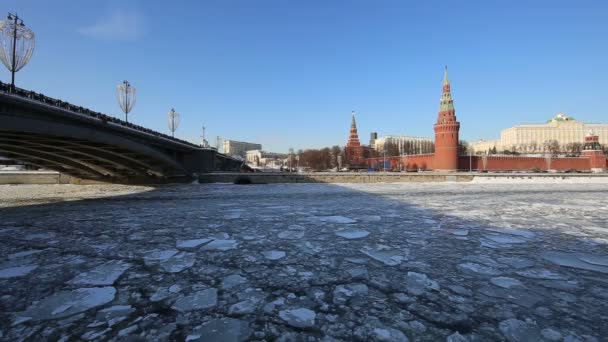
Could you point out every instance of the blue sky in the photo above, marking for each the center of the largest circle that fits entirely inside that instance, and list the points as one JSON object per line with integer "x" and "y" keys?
{"x": 288, "y": 73}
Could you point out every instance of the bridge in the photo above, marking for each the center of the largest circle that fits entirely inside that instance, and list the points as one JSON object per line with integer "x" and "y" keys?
{"x": 56, "y": 135}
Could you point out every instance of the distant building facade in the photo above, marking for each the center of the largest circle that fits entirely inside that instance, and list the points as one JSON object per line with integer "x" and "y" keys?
{"x": 372, "y": 139}
{"x": 265, "y": 159}
{"x": 405, "y": 144}
{"x": 239, "y": 148}
{"x": 533, "y": 138}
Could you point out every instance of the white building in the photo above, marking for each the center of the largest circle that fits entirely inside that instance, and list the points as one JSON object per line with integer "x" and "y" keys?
{"x": 261, "y": 158}
{"x": 531, "y": 138}
{"x": 406, "y": 144}
{"x": 239, "y": 148}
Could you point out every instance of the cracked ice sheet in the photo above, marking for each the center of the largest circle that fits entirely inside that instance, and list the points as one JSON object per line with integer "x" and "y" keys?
{"x": 423, "y": 253}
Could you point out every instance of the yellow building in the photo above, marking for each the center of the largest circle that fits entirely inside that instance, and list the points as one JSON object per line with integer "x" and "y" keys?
{"x": 534, "y": 138}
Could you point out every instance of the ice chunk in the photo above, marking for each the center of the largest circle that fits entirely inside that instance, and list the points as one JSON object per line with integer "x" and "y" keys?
{"x": 594, "y": 259}
{"x": 456, "y": 337}
{"x": 220, "y": 245}
{"x": 541, "y": 273}
{"x": 459, "y": 232}
{"x": 299, "y": 318}
{"x": 418, "y": 283}
{"x": 388, "y": 335}
{"x": 23, "y": 254}
{"x": 522, "y": 233}
{"x": 576, "y": 261}
{"x": 343, "y": 292}
{"x": 189, "y": 244}
{"x": 200, "y": 300}
{"x": 516, "y": 262}
{"x": 115, "y": 314}
{"x": 274, "y": 255}
{"x": 371, "y": 218}
{"x": 178, "y": 262}
{"x": 551, "y": 335}
{"x": 506, "y": 282}
{"x": 353, "y": 233}
{"x": 222, "y": 330}
{"x": 291, "y": 234}
{"x": 336, "y": 219}
{"x": 67, "y": 303}
{"x": 504, "y": 239}
{"x": 478, "y": 268}
{"x": 19, "y": 271}
{"x": 158, "y": 256}
{"x": 242, "y": 308}
{"x": 127, "y": 331}
{"x": 104, "y": 274}
{"x": 515, "y": 330}
{"x": 386, "y": 256}
{"x": 232, "y": 281}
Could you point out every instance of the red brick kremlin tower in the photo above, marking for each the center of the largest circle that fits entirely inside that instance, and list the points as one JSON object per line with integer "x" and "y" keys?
{"x": 353, "y": 150}
{"x": 446, "y": 131}
{"x": 593, "y": 150}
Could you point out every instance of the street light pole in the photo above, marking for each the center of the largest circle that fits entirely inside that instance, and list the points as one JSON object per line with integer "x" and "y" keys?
{"x": 15, "y": 17}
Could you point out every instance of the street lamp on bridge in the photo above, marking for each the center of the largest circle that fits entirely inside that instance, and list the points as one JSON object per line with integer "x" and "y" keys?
{"x": 173, "y": 118}
{"x": 126, "y": 97}
{"x": 16, "y": 45}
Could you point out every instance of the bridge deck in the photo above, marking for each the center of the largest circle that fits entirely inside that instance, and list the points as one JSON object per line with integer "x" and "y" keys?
{"x": 53, "y": 134}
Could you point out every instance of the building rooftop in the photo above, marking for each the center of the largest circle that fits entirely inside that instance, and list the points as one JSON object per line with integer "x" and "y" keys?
{"x": 561, "y": 117}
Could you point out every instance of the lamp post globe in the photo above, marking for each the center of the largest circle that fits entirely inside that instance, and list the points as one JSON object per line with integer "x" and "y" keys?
{"x": 173, "y": 121}
{"x": 125, "y": 94}
{"x": 17, "y": 44}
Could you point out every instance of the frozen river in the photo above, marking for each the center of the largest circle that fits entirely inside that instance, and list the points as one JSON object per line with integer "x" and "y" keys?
{"x": 305, "y": 262}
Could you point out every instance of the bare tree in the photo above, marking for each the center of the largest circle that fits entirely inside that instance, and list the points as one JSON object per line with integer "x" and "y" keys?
{"x": 533, "y": 146}
{"x": 551, "y": 146}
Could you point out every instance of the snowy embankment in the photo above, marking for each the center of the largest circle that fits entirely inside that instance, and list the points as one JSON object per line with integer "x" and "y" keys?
{"x": 541, "y": 179}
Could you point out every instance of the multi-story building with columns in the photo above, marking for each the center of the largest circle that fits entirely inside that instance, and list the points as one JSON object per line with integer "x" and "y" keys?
{"x": 405, "y": 144}
{"x": 531, "y": 138}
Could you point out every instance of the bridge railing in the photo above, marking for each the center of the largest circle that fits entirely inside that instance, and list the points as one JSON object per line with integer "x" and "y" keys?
{"x": 38, "y": 97}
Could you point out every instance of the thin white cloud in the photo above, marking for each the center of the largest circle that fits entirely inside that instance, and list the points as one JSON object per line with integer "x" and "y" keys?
{"x": 118, "y": 26}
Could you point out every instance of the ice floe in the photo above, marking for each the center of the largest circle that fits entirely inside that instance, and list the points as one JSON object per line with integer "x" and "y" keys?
{"x": 352, "y": 233}
{"x": 274, "y": 255}
{"x": 18, "y": 271}
{"x": 104, "y": 274}
{"x": 336, "y": 219}
{"x": 191, "y": 244}
{"x": 220, "y": 245}
{"x": 580, "y": 261}
{"x": 200, "y": 300}
{"x": 299, "y": 318}
{"x": 386, "y": 256}
{"x": 67, "y": 303}
{"x": 418, "y": 283}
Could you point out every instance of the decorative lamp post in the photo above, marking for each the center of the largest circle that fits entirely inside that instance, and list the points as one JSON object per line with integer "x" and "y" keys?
{"x": 126, "y": 97}
{"x": 173, "y": 120}
{"x": 16, "y": 45}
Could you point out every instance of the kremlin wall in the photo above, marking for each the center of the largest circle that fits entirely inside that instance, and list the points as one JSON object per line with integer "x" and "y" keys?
{"x": 447, "y": 158}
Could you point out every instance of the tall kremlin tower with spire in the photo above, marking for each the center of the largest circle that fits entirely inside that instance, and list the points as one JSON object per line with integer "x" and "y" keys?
{"x": 446, "y": 131}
